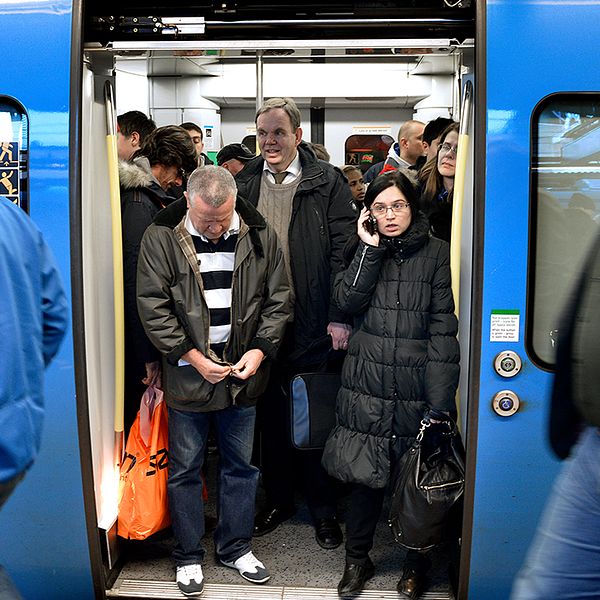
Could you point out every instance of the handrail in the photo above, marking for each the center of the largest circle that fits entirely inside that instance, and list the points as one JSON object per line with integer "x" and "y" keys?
{"x": 117, "y": 252}
{"x": 459, "y": 193}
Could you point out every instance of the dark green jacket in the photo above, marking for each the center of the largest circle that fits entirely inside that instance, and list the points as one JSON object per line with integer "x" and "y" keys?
{"x": 175, "y": 315}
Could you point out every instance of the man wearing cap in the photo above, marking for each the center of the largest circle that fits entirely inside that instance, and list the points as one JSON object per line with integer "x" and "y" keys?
{"x": 234, "y": 157}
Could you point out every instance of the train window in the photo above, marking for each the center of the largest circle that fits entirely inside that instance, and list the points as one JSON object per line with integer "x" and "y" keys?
{"x": 14, "y": 151}
{"x": 366, "y": 150}
{"x": 565, "y": 200}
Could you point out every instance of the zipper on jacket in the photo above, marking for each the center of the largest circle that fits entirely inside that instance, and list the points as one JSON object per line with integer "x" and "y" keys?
{"x": 360, "y": 264}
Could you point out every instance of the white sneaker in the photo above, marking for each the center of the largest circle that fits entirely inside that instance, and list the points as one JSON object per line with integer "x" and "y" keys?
{"x": 250, "y": 568}
{"x": 190, "y": 579}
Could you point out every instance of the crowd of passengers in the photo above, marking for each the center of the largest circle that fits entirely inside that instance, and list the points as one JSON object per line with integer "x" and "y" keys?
{"x": 240, "y": 275}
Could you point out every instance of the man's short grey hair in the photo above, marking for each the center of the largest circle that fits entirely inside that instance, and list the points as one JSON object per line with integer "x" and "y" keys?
{"x": 288, "y": 105}
{"x": 215, "y": 185}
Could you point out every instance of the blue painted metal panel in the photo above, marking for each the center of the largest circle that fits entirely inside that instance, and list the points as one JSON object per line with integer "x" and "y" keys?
{"x": 43, "y": 542}
{"x": 533, "y": 49}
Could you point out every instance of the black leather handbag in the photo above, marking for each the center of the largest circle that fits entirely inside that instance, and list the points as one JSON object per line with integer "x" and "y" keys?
{"x": 430, "y": 479}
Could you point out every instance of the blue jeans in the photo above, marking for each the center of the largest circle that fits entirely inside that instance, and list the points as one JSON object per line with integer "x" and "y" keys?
{"x": 236, "y": 483}
{"x": 564, "y": 558}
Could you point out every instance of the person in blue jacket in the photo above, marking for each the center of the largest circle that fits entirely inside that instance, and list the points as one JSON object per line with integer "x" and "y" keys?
{"x": 33, "y": 322}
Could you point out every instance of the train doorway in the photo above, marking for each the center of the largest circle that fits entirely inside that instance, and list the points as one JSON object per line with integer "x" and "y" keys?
{"x": 345, "y": 87}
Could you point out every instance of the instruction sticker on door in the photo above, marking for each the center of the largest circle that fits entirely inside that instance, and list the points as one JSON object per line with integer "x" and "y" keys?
{"x": 504, "y": 325}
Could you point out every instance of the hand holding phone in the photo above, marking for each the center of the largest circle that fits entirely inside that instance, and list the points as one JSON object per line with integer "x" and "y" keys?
{"x": 367, "y": 228}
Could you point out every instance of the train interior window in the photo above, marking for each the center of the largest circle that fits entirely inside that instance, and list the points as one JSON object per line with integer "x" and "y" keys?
{"x": 367, "y": 150}
{"x": 565, "y": 207}
{"x": 14, "y": 152}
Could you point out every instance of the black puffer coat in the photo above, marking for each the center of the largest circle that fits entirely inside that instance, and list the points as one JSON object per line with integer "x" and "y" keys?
{"x": 402, "y": 358}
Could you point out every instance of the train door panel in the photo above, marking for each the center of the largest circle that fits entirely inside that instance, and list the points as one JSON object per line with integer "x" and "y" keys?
{"x": 530, "y": 178}
{"x": 45, "y": 515}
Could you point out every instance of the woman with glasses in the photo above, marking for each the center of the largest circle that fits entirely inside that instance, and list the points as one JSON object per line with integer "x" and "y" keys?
{"x": 438, "y": 179}
{"x": 403, "y": 358}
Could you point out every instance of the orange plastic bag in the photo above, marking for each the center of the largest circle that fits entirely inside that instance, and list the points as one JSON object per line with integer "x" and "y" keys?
{"x": 143, "y": 503}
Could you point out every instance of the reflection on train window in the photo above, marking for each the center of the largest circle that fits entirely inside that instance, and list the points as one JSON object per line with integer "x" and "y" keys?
{"x": 366, "y": 150}
{"x": 14, "y": 151}
{"x": 565, "y": 209}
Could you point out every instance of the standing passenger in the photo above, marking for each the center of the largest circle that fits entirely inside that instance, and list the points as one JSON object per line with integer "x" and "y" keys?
{"x": 213, "y": 297}
{"x": 196, "y": 135}
{"x": 356, "y": 183}
{"x": 309, "y": 205}
{"x": 564, "y": 558}
{"x": 33, "y": 322}
{"x": 438, "y": 176}
{"x": 432, "y": 134}
{"x": 133, "y": 128}
{"x": 161, "y": 163}
{"x": 234, "y": 157}
{"x": 402, "y": 361}
{"x": 404, "y": 154}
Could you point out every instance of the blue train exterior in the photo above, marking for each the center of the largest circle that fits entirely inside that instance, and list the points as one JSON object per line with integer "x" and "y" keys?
{"x": 526, "y": 50}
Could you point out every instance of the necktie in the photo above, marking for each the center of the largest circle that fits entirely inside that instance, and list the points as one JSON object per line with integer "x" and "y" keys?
{"x": 279, "y": 177}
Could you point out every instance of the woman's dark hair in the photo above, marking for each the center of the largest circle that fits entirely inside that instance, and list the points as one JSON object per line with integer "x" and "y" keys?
{"x": 398, "y": 179}
{"x": 435, "y": 182}
{"x": 170, "y": 146}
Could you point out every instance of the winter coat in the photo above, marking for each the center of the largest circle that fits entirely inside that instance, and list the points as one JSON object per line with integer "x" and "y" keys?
{"x": 175, "y": 315}
{"x": 439, "y": 213}
{"x": 323, "y": 219}
{"x": 34, "y": 321}
{"x": 402, "y": 358}
{"x": 141, "y": 200}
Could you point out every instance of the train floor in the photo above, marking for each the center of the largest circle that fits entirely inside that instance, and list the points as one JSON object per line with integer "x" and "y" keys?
{"x": 300, "y": 569}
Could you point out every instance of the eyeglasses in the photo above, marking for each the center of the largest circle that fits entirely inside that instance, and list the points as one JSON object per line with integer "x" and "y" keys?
{"x": 380, "y": 210}
{"x": 446, "y": 148}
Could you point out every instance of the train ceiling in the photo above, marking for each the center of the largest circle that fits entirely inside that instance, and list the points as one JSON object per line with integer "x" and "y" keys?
{"x": 110, "y": 21}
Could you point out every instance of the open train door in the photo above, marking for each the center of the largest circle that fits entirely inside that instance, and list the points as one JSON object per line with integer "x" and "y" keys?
{"x": 537, "y": 187}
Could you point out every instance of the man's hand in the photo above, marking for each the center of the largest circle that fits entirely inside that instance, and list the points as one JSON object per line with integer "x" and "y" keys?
{"x": 340, "y": 334}
{"x": 211, "y": 371}
{"x": 248, "y": 364}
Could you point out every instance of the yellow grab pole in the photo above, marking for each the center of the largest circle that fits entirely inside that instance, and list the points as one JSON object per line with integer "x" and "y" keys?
{"x": 117, "y": 253}
{"x": 459, "y": 193}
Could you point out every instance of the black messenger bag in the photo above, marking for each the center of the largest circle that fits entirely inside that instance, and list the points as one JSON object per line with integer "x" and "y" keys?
{"x": 312, "y": 407}
{"x": 312, "y": 399}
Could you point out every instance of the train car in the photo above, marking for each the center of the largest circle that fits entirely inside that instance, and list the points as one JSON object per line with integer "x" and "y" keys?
{"x": 358, "y": 70}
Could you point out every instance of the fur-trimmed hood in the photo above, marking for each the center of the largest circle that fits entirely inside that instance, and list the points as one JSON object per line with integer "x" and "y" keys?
{"x": 136, "y": 174}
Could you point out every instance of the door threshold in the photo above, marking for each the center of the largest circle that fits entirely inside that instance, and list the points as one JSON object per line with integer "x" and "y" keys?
{"x": 141, "y": 588}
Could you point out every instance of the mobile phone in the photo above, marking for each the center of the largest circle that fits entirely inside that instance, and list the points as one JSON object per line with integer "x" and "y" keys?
{"x": 371, "y": 225}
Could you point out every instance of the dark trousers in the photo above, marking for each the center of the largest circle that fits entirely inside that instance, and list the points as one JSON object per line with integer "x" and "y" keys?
{"x": 362, "y": 516}
{"x": 282, "y": 466}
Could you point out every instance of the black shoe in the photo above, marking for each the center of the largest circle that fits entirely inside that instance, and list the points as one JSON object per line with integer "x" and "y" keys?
{"x": 269, "y": 519}
{"x": 354, "y": 578}
{"x": 411, "y": 584}
{"x": 328, "y": 533}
